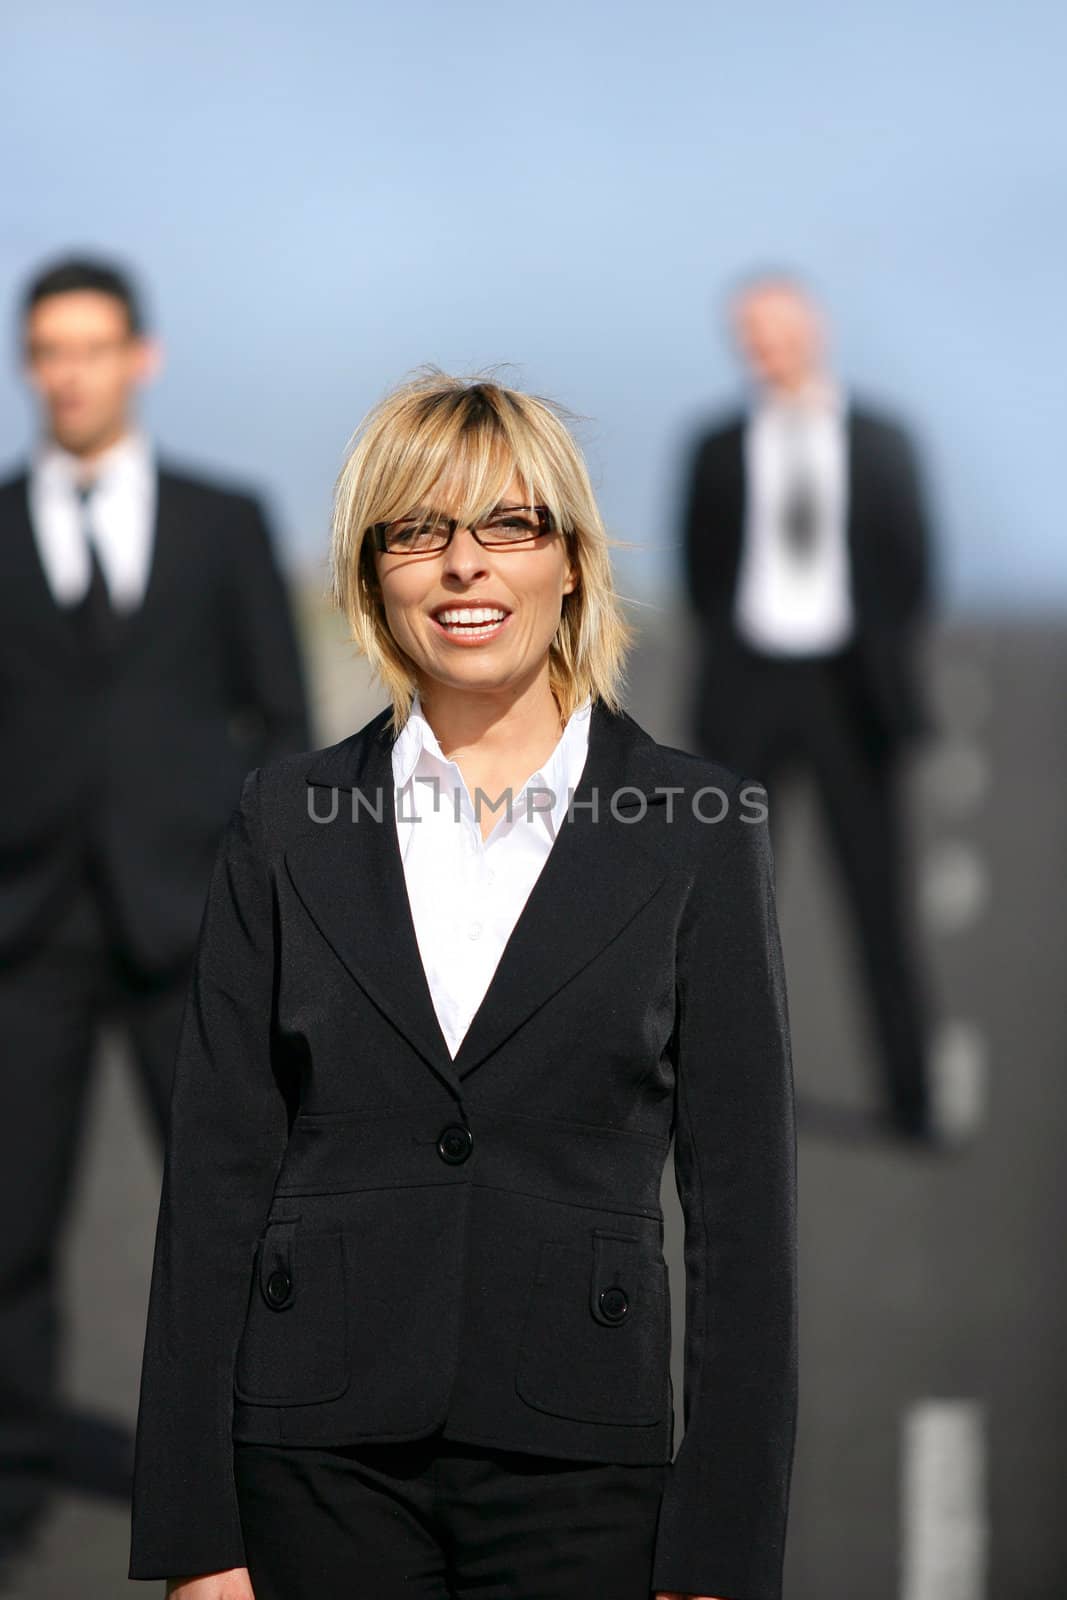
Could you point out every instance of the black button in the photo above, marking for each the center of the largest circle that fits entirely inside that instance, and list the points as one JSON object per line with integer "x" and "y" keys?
{"x": 455, "y": 1143}
{"x": 614, "y": 1304}
{"x": 278, "y": 1287}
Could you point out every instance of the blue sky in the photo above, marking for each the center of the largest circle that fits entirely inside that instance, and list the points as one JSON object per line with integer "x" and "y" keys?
{"x": 321, "y": 198}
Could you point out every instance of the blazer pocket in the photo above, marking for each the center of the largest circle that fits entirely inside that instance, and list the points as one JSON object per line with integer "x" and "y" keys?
{"x": 294, "y": 1347}
{"x": 595, "y": 1343}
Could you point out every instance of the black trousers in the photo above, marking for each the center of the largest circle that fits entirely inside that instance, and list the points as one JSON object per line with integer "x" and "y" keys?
{"x": 772, "y": 718}
{"x": 434, "y": 1519}
{"x": 53, "y": 999}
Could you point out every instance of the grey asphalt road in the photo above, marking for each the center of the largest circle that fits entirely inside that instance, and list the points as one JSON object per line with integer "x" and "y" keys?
{"x": 931, "y": 1451}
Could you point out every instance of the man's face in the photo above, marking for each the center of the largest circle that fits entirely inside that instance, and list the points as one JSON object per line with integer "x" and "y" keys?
{"x": 84, "y": 362}
{"x": 777, "y": 330}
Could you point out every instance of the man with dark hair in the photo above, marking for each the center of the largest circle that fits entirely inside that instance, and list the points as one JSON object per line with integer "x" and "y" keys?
{"x": 808, "y": 564}
{"x": 148, "y": 659}
{"x": 81, "y": 275}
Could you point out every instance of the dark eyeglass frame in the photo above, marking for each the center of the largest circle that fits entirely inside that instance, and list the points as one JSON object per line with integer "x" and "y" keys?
{"x": 545, "y": 524}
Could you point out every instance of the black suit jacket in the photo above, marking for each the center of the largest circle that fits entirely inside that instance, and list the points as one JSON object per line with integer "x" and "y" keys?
{"x": 890, "y": 562}
{"x": 141, "y": 763}
{"x": 361, "y": 1238}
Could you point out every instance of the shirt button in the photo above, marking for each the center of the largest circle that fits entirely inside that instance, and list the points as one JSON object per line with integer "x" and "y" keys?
{"x": 491, "y": 876}
{"x": 474, "y": 930}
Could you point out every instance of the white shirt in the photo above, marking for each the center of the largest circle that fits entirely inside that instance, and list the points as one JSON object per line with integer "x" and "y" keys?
{"x": 785, "y": 606}
{"x": 121, "y": 511}
{"x": 465, "y": 894}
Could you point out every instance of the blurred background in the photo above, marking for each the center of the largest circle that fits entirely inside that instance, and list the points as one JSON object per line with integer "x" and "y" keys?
{"x": 316, "y": 201}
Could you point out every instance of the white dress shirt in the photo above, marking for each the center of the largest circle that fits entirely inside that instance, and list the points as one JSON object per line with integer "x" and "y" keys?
{"x": 121, "y": 511}
{"x": 784, "y": 605}
{"x": 465, "y": 894}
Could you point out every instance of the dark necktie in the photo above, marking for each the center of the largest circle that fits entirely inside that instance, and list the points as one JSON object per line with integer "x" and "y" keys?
{"x": 800, "y": 507}
{"x": 94, "y": 612}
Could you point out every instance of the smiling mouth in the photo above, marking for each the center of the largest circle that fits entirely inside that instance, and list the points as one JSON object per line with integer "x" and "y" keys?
{"x": 470, "y": 622}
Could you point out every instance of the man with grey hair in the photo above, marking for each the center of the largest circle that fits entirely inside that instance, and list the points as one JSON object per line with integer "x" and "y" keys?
{"x": 807, "y": 559}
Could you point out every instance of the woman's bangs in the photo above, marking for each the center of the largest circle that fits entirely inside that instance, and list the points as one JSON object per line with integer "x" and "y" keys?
{"x": 476, "y": 476}
{"x": 488, "y": 458}
{"x": 458, "y": 456}
{"x": 466, "y": 471}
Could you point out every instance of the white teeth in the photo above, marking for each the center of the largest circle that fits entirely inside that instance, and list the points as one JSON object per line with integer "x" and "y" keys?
{"x": 471, "y": 614}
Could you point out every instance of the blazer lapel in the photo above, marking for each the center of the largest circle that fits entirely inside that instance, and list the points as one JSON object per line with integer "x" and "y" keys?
{"x": 164, "y": 559}
{"x": 48, "y": 623}
{"x": 350, "y": 878}
{"x": 857, "y": 511}
{"x": 736, "y": 488}
{"x": 595, "y": 880}
{"x": 40, "y": 618}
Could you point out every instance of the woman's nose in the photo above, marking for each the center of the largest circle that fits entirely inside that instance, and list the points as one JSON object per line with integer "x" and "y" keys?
{"x": 464, "y": 556}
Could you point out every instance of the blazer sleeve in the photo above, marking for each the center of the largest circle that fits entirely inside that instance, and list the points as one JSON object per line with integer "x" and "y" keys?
{"x": 228, "y": 1129}
{"x": 267, "y": 656}
{"x": 698, "y": 550}
{"x": 901, "y": 526}
{"x": 915, "y": 537}
{"x": 723, "y": 1515}
{"x": 711, "y": 518}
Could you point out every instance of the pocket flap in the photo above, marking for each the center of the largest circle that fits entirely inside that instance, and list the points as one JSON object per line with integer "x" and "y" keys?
{"x": 611, "y": 1287}
{"x": 294, "y": 1347}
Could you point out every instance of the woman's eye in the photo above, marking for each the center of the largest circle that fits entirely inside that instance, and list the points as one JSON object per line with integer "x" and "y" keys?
{"x": 514, "y": 525}
{"x": 415, "y": 533}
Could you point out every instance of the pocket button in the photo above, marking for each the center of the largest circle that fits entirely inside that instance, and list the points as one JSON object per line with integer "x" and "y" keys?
{"x": 614, "y": 1304}
{"x": 279, "y": 1286}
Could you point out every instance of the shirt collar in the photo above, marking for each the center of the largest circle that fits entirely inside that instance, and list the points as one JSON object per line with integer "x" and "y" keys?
{"x": 823, "y": 396}
{"x": 559, "y": 773}
{"x": 415, "y": 736}
{"x": 128, "y": 460}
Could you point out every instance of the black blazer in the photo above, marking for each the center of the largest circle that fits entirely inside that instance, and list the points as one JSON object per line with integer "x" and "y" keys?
{"x": 361, "y": 1238}
{"x": 142, "y": 762}
{"x": 890, "y": 560}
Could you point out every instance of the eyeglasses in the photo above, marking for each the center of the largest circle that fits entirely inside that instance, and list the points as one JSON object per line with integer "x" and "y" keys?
{"x": 507, "y": 528}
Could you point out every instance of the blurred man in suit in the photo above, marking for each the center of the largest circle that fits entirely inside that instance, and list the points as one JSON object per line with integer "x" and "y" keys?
{"x": 807, "y": 558}
{"x": 148, "y": 659}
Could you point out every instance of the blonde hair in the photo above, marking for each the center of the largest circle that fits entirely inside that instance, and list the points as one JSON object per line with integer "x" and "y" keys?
{"x": 476, "y": 434}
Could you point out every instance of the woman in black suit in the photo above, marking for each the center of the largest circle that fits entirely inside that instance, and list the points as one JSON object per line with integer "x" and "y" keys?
{"x": 409, "y": 1328}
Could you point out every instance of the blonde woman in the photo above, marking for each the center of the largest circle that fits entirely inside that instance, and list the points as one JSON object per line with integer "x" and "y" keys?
{"x": 460, "y": 978}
